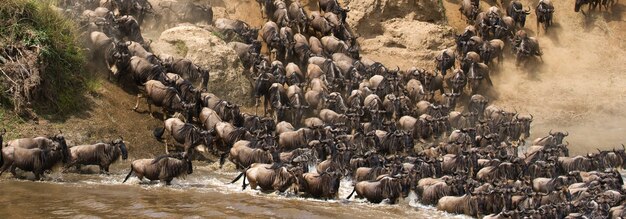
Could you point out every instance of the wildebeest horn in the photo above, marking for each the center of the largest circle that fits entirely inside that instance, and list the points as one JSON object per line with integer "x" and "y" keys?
{"x": 531, "y": 117}
{"x": 550, "y": 132}
{"x": 527, "y": 11}
{"x": 566, "y": 133}
{"x": 623, "y": 147}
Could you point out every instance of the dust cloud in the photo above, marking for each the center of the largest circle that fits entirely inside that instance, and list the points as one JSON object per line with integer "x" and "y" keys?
{"x": 580, "y": 87}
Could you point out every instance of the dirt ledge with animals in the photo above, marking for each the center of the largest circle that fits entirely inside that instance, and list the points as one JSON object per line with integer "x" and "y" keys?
{"x": 395, "y": 37}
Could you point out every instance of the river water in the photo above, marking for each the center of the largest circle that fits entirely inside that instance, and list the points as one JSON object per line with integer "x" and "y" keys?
{"x": 204, "y": 194}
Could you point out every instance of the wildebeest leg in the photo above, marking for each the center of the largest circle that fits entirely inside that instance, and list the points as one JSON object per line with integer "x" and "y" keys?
{"x": 137, "y": 104}
{"x": 167, "y": 151}
{"x": 3, "y": 168}
{"x": 38, "y": 175}
{"x": 168, "y": 182}
{"x": 164, "y": 111}
{"x": 104, "y": 169}
{"x": 265, "y": 106}
{"x": 68, "y": 166}
{"x": 13, "y": 167}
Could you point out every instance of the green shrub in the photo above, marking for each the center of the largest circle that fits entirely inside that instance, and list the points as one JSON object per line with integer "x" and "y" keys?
{"x": 36, "y": 25}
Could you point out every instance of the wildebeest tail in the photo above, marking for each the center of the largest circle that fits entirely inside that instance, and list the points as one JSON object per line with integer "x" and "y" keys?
{"x": 129, "y": 174}
{"x": 158, "y": 133}
{"x": 352, "y": 193}
{"x": 238, "y": 177}
{"x": 243, "y": 182}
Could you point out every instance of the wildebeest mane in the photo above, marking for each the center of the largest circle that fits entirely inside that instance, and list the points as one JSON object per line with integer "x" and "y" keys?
{"x": 235, "y": 135}
{"x": 171, "y": 167}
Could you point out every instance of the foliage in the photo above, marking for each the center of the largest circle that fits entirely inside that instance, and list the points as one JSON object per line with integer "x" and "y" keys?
{"x": 37, "y": 26}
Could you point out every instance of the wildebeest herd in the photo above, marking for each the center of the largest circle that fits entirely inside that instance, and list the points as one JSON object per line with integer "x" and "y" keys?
{"x": 326, "y": 107}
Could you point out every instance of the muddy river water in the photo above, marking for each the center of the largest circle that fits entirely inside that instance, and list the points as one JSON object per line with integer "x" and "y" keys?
{"x": 204, "y": 194}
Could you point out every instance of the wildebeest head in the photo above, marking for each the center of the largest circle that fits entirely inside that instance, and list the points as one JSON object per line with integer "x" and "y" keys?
{"x": 522, "y": 16}
{"x": 250, "y": 35}
{"x": 60, "y": 139}
{"x": 354, "y": 48}
{"x": 330, "y": 182}
{"x": 120, "y": 143}
{"x": 525, "y": 122}
{"x": 558, "y": 137}
{"x": 580, "y": 3}
{"x": 392, "y": 188}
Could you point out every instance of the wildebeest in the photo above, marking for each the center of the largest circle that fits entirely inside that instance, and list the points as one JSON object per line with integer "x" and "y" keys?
{"x": 244, "y": 153}
{"x": 334, "y": 45}
{"x": 299, "y": 17}
{"x": 302, "y": 49}
{"x": 478, "y": 77}
{"x": 579, "y": 3}
{"x": 38, "y": 142}
{"x": 227, "y": 134}
{"x": 477, "y": 105}
{"x": 320, "y": 25}
{"x": 385, "y": 187}
{"x": 35, "y": 159}
{"x": 101, "y": 154}
{"x": 445, "y": 61}
{"x": 188, "y": 70}
{"x": 268, "y": 178}
{"x": 492, "y": 49}
{"x": 332, "y": 6}
{"x": 553, "y": 139}
{"x": 279, "y": 101}
{"x": 237, "y": 28}
{"x": 209, "y": 118}
{"x": 466, "y": 204}
{"x": 281, "y": 15}
{"x": 288, "y": 41}
{"x": 195, "y": 12}
{"x": 323, "y": 185}
{"x": 164, "y": 167}
{"x": 525, "y": 47}
{"x": 544, "y": 12}
{"x": 296, "y": 139}
{"x": 271, "y": 36}
{"x": 128, "y": 28}
{"x": 114, "y": 53}
{"x": 297, "y": 103}
{"x": 577, "y": 163}
{"x": 469, "y": 10}
{"x": 165, "y": 97}
{"x": 135, "y": 49}
{"x": 186, "y": 134}
{"x": 140, "y": 70}
{"x": 227, "y": 111}
{"x": 516, "y": 12}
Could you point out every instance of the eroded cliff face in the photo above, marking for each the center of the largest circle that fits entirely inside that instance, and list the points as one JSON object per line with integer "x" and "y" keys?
{"x": 206, "y": 49}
